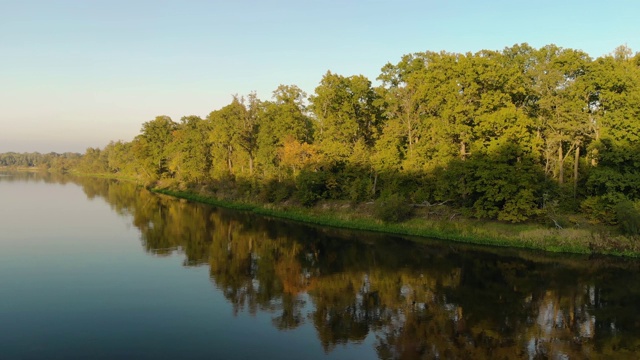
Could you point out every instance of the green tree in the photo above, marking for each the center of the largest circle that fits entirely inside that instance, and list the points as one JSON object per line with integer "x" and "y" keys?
{"x": 190, "y": 151}
{"x": 223, "y": 132}
{"x": 233, "y": 135}
{"x": 284, "y": 121}
{"x": 562, "y": 105}
{"x": 347, "y": 111}
{"x": 153, "y": 145}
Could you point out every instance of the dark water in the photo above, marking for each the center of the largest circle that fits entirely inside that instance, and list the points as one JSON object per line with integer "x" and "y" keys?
{"x": 96, "y": 269}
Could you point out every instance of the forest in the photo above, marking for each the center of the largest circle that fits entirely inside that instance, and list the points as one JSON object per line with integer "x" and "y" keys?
{"x": 512, "y": 135}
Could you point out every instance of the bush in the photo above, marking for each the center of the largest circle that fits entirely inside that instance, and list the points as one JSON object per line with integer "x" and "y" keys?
{"x": 359, "y": 189}
{"x": 602, "y": 208}
{"x": 311, "y": 187}
{"x": 276, "y": 191}
{"x": 520, "y": 207}
{"x": 628, "y": 217}
{"x": 392, "y": 208}
{"x": 245, "y": 188}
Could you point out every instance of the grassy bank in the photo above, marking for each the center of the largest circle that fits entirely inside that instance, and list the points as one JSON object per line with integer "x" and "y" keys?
{"x": 583, "y": 239}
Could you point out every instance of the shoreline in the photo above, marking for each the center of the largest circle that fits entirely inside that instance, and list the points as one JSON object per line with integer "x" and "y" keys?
{"x": 580, "y": 240}
{"x": 466, "y": 231}
{"x": 584, "y": 240}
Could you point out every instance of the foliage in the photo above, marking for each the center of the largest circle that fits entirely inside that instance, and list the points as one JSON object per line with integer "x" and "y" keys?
{"x": 628, "y": 217}
{"x": 274, "y": 191}
{"x": 615, "y": 179}
{"x": 310, "y": 187}
{"x": 392, "y": 208}
{"x": 489, "y": 133}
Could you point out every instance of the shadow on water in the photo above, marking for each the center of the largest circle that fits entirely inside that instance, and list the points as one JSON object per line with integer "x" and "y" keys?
{"x": 419, "y": 299}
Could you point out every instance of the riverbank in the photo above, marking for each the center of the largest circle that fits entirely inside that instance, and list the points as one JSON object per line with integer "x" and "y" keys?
{"x": 577, "y": 236}
{"x": 582, "y": 238}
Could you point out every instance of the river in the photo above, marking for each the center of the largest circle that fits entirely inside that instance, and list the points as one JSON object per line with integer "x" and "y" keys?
{"x": 102, "y": 269}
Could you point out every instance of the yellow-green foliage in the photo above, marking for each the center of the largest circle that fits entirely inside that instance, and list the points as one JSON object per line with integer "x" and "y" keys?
{"x": 495, "y": 134}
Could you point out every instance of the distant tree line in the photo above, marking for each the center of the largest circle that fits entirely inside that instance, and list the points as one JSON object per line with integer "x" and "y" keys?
{"x": 51, "y": 161}
{"x": 509, "y": 135}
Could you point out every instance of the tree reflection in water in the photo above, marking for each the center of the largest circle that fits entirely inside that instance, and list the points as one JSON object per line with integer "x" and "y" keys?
{"x": 420, "y": 300}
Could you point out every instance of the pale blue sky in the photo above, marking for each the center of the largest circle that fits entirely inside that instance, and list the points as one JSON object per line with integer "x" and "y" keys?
{"x": 80, "y": 73}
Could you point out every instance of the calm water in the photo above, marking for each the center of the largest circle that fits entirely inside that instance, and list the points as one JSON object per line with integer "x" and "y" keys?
{"x": 96, "y": 269}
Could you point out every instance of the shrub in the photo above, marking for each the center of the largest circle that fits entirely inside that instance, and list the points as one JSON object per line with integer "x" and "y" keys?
{"x": 519, "y": 208}
{"x": 311, "y": 187}
{"x": 245, "y": 188}
{"x": 359, "y": 189}
{"x": 602, "y": 208}
{"x": 628, "y": 217}
{"x": 392, "y": 208}
{"x": 276, "y": 191}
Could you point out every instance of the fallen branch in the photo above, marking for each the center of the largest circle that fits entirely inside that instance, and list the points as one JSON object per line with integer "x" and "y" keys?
{"x": 556, "y": 223}
{"x": 428, "y": 204}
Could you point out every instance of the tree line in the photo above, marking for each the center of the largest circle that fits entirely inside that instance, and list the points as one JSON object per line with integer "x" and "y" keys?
{"x": 50, "y": 161}
{"x": 508, "y": 135}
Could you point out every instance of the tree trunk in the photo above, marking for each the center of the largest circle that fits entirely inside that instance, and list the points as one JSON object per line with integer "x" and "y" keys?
{"x": 560, "y": 165}
{"x": 410, "y": 134}
{"x": 408, "y": 121}
{"x": 547, "y": 162}
{"x": 375, "y": 182}
{"x": 594, "y": 153}
{"x": 575, "y": 170}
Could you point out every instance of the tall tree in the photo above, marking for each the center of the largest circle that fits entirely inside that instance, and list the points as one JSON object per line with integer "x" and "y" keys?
{"x": 348, "y": 111}
{"x": 223, "y": 134}
{"x": 190, "y": 152}
{"x": 153, "y": 144}
{"x": 562, "y": 103}
{"x": 284, "y": 122}
{"x": 401, "y": 83}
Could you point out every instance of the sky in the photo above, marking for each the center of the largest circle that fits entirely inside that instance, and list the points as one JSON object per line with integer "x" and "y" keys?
{"x": 78, "y": 74}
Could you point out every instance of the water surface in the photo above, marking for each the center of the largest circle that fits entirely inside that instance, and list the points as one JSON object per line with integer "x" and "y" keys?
{"x": 101, "y": 269}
